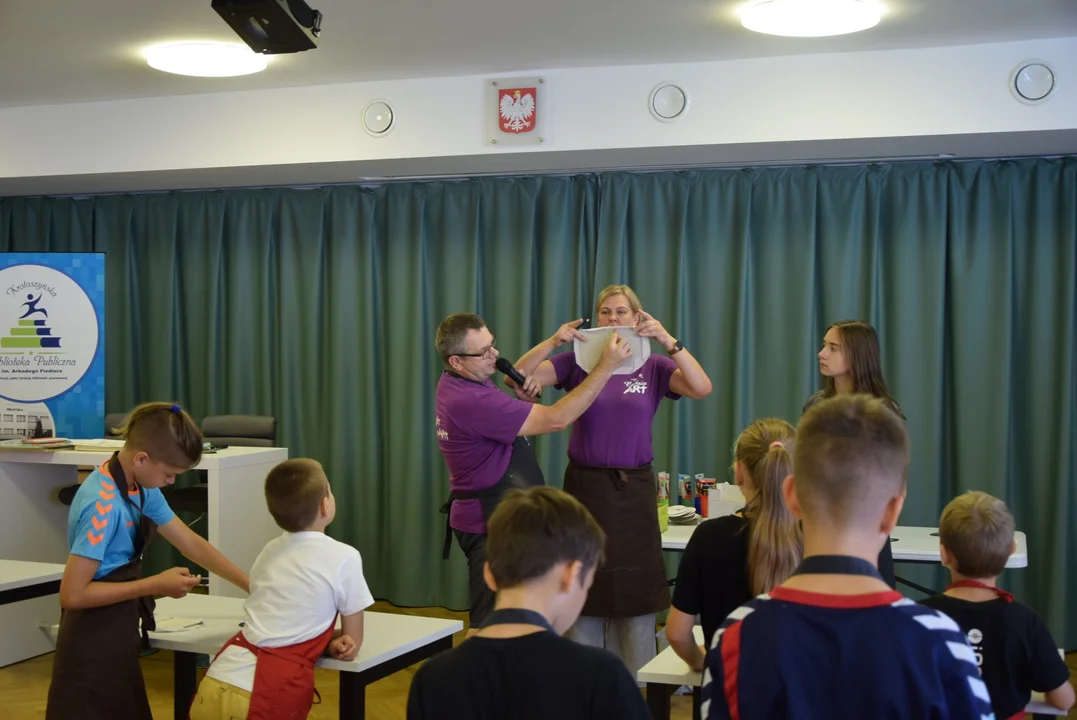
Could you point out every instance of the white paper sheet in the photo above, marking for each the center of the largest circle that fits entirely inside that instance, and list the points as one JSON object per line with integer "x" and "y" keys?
{"x": 588, "y": 353}
{"x": 176, "y": 624}
{"x": 99, "y": 444}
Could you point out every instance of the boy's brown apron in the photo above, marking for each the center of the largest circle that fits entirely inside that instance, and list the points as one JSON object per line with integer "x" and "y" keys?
{"x": 95, "y": 672}
{"x": 632, "y": 580}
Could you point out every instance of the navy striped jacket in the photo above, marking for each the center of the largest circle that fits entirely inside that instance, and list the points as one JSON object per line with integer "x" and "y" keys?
{"x": 806, "y": 656}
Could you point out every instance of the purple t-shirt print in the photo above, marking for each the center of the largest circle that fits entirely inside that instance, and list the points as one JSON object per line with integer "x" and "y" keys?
{"x": 616, "y": 430}
{"x": 476, "y": 426}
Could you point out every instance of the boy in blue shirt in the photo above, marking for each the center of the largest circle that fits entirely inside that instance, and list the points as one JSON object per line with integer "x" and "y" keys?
{"x": 115, "y": 513}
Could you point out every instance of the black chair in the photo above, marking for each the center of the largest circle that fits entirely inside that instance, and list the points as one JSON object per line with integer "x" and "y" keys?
{"x": 113, "y": 422}
{"x": 241, "y": 430}
{"x": 224, "y": 430}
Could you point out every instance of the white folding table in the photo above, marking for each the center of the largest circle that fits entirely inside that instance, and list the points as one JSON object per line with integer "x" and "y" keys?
{"x": 390, "y": 644}
{"x": 918, "y": 545}
{"x": 29, "y": 596}
{"x": 908, "y": 544}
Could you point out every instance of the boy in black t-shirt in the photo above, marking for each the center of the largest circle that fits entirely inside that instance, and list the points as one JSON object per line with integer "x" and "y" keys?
{"x": 542, "y": 547}
{"x": 1013, "y": 648}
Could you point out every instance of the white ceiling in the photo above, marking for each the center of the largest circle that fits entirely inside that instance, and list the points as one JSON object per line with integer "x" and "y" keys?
{"x": 58, "y": 51}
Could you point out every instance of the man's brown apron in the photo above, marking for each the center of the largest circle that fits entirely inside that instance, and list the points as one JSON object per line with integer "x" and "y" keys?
{"x": 523, "y": 472}
{"x": 632, "y": 580}
{"x": 95, "y": 673}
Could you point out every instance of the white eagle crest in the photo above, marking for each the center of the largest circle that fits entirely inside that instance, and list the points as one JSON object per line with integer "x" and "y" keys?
{"x": 517, "y": 110}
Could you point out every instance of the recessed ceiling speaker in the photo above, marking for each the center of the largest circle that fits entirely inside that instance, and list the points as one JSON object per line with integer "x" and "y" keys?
{"x": 1032, "y": 82}
{"x": 667, "y": 102}
{"x": 378, "y": 118}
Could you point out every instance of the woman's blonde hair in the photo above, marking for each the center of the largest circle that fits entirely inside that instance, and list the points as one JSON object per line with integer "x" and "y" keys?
{"x": 765, "y": 452}
{"x": 633, "y": 300}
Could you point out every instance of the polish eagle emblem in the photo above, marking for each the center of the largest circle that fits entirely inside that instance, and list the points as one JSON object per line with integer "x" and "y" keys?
{"x": 516, "y": 107}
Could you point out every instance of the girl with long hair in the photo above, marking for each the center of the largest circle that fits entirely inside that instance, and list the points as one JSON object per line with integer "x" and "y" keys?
{"x": 849, "y": 362}
{"x": 731, "y": 559}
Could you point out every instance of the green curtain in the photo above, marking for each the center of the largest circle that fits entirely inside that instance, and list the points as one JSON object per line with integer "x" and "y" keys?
{"x": 319, "y": 307}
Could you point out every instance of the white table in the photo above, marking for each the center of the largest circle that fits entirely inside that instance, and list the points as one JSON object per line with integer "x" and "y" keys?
{"x": 908, "y": 544}
{"x": 29, "y": 596}
{"x": 667, "y": 672}
{"x": 33, "y": 523}
{"x": 390, "y": 644}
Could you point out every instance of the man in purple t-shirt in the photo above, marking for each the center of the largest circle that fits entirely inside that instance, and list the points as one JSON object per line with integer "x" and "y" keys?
{"x": 477, "y": 429}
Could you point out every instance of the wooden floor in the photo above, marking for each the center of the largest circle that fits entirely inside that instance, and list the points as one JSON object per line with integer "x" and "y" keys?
{"x": 24, "y": 687}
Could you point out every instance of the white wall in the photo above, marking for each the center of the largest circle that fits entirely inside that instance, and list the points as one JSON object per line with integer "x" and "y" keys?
{"x": 819, "y": 98}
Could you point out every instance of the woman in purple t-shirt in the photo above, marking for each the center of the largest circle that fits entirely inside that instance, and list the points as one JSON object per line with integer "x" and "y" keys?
{"x": 610, "y": 472}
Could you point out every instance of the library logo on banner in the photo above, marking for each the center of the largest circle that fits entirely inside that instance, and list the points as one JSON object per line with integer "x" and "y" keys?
{"x": 48, "y": 333}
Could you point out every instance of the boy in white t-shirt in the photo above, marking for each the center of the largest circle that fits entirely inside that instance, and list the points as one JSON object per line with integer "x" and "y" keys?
{"x": 299, "y": 583}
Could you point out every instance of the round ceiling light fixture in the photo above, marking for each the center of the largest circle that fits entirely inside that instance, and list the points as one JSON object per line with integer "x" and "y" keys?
{"x": 810, "y": 18}
{"x": 205, "y": 59}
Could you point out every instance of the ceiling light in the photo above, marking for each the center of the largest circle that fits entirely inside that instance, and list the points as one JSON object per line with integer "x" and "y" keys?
{"x": 205, "y": 59}
{"x": 810, "y": 18}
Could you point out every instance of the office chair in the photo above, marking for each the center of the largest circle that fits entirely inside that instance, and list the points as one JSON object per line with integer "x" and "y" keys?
{"x": 224, "y": 430}
{"x": 114, "y": 421}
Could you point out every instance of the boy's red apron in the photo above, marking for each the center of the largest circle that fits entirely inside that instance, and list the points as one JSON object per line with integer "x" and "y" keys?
{"x": 283, "y": 676}
{"x": 95, "y": 672}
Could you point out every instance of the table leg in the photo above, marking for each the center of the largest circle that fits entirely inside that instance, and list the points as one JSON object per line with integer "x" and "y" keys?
{"x": 353, "y": 685}
{"x": 658, "y": 696}
{"x": 697, "y": 703}
{"x": 352, "y": 697}
{"x": 184, "y": 682}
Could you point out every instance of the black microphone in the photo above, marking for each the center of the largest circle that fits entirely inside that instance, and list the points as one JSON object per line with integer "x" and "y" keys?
{"x": 506, "y": 367}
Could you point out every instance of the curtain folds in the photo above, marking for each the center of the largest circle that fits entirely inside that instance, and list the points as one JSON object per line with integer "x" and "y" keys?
{"x": 319, "y": 307}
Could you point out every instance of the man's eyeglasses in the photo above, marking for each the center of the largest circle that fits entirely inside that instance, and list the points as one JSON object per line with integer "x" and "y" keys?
{"x": 489, "y": 349}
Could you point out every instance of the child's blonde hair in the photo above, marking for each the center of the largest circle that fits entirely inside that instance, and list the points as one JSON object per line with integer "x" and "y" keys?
{"x": 977, "y": 530}
{"x": 765, "y": 451}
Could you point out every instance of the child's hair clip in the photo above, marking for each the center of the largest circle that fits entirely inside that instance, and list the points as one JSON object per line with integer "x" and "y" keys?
{"x": 175, "y": 409}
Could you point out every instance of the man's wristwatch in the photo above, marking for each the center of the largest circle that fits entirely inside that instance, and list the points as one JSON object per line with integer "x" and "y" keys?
{"x": 677, "y": 347}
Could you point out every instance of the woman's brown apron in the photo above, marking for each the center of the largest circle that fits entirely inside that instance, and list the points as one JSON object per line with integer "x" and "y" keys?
{"x": 632, "y": 579}
{"x": 96, "y": 673}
